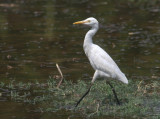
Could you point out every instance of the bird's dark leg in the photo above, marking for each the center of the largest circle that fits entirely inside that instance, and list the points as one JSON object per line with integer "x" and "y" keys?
{"x": 83, "y": 96}
{"x": 114, "y": 92}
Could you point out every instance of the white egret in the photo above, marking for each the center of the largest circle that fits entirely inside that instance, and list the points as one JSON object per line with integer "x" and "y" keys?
{"x": 102, "y": 63}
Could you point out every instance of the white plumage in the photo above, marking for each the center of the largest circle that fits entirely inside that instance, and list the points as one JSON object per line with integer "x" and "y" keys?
{"x": 102, "y": 63}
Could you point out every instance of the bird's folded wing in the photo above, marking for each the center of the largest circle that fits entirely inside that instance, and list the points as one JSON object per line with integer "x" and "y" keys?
{"x": 101, "y": 61}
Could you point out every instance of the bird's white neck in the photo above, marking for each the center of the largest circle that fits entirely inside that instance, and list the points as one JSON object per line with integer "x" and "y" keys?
{"x": 88, "y": 37}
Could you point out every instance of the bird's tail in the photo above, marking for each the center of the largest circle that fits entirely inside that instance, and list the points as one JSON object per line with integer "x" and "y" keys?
{"x": 123, "y": 78}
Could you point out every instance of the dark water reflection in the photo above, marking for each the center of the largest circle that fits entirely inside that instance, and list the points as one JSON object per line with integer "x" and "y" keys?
{"x": 35, "y": 34}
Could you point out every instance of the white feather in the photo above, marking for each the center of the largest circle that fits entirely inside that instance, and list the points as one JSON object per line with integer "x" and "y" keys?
{"x": 102, "y": 63}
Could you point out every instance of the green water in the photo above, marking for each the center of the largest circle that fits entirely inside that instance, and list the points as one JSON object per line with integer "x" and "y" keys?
{"x": 37, "y": 34}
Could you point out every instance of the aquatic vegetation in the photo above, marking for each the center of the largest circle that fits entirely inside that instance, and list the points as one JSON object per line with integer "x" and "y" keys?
{"x": 138, "y": 98}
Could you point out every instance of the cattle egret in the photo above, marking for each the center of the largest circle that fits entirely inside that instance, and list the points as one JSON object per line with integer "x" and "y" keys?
{"x": 102, "y": 63}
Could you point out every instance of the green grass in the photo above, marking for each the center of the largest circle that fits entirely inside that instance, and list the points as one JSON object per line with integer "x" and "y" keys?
{"x": 138, "y": 99}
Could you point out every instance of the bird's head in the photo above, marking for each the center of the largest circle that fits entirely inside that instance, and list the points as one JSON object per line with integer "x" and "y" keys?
{"x": 92, "y": 22}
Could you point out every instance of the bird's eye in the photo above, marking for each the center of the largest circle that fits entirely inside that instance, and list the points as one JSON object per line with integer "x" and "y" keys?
{"x": 89, "y": 20}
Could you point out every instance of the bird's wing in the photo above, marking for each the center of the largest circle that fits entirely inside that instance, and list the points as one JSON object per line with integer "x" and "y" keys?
{"x": 101, "y": 61}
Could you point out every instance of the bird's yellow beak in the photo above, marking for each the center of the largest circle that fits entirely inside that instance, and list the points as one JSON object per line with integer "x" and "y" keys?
{"x": 80, "y": 22}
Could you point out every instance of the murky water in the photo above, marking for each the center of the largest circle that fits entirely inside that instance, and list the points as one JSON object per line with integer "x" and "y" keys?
{"x": 36, "y": 34}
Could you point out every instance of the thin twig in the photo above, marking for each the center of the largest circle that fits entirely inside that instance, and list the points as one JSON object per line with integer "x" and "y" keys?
{"x": 139, "y": 86}
{"x": 97, "y": 109}
{"x": 59, "y": 70}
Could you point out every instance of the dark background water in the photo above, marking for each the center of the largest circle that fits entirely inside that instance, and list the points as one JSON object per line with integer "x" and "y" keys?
{"x": 37, "y": 34}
